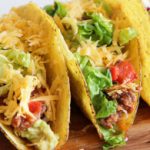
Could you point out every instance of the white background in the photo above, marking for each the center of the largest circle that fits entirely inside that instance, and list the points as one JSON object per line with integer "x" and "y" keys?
{"x": 5, "y": 5}
{"x": 146, "y": 3}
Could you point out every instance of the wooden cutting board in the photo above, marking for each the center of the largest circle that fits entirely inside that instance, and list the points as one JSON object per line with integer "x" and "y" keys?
{"x": 83, "y": 136}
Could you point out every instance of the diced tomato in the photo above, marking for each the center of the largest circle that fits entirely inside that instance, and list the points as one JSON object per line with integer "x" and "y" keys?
{"x": 114, "y": 72}
{"x": 26, "y": 121}
{"x": 35, "y": 107}
{"x": 123, "y": 72}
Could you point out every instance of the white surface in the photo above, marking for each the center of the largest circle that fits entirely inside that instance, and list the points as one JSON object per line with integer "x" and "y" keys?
{"x": 6, "y": 5}
{"x": 146, "y": 3}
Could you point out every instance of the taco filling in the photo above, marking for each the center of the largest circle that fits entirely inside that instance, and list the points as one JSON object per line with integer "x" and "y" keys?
{"x": 148, "y": 9}
{"x": 27, "y": 102}
{"x": 98, "y": 44}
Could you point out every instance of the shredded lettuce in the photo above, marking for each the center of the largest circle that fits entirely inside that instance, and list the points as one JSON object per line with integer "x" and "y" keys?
{"x": 106, "y": 108}
{"x": 82, "y": 60}
{"x": 126, "y": 35}
{"x": 18, "y": 57}
{"x": 97, "y": 80}
{"x": 41, "y": 135}
{"x": 97, "y": 28}
{"x": 56, "y": 9}
{"x": 102, "y": 106}
{"x": 112, "y": 138}
{"x": 18, "y": 62}
{"x": 94, "y": 26}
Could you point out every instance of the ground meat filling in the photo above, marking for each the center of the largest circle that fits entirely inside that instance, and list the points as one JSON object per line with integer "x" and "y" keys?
{"x": 22, "y": 122}
{"x": 26, "y": 121}
{"x": 37, "y": 91}
{"x": 125, "y": 98}
{"x": 109, "y": 121}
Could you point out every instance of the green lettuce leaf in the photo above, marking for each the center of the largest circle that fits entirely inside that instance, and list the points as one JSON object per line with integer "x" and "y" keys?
{"x": 112, "y": 138}
{"x": 126, "y": 35}
{"x": 97, "y": 80}
{"x": 82, "y": 60}
{"x": 50, "y": 10}
{"x": 9, "y": 61}
{"x": 57, "y": 9}
{"x": 103, "y": 107}
{"x": 107, "y": 108}
{"x": 97, "y": 28}
{"x": 100, "y": 76}
{"x": 18, "y": 57}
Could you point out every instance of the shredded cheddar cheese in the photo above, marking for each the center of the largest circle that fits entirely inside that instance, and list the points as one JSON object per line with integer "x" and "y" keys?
{"x": 101, "y": 56}
{"x": 20, "y": 34}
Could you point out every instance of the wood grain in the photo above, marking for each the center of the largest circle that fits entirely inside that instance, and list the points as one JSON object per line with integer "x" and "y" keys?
{"x": 83, "y": 135}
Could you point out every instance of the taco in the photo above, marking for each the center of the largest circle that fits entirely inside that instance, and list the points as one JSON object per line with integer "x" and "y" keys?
{"x": 141, "y": 22}
{"x": 34, "y": 85}
{"x": 103, "y": 63}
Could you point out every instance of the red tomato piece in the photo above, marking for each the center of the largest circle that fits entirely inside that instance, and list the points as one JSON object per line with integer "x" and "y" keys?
{"x": 114, "y": 72}
{"x": 123, "y": 72}
{"x": 35, "y": 107}
{"x": 26, "y": 121}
